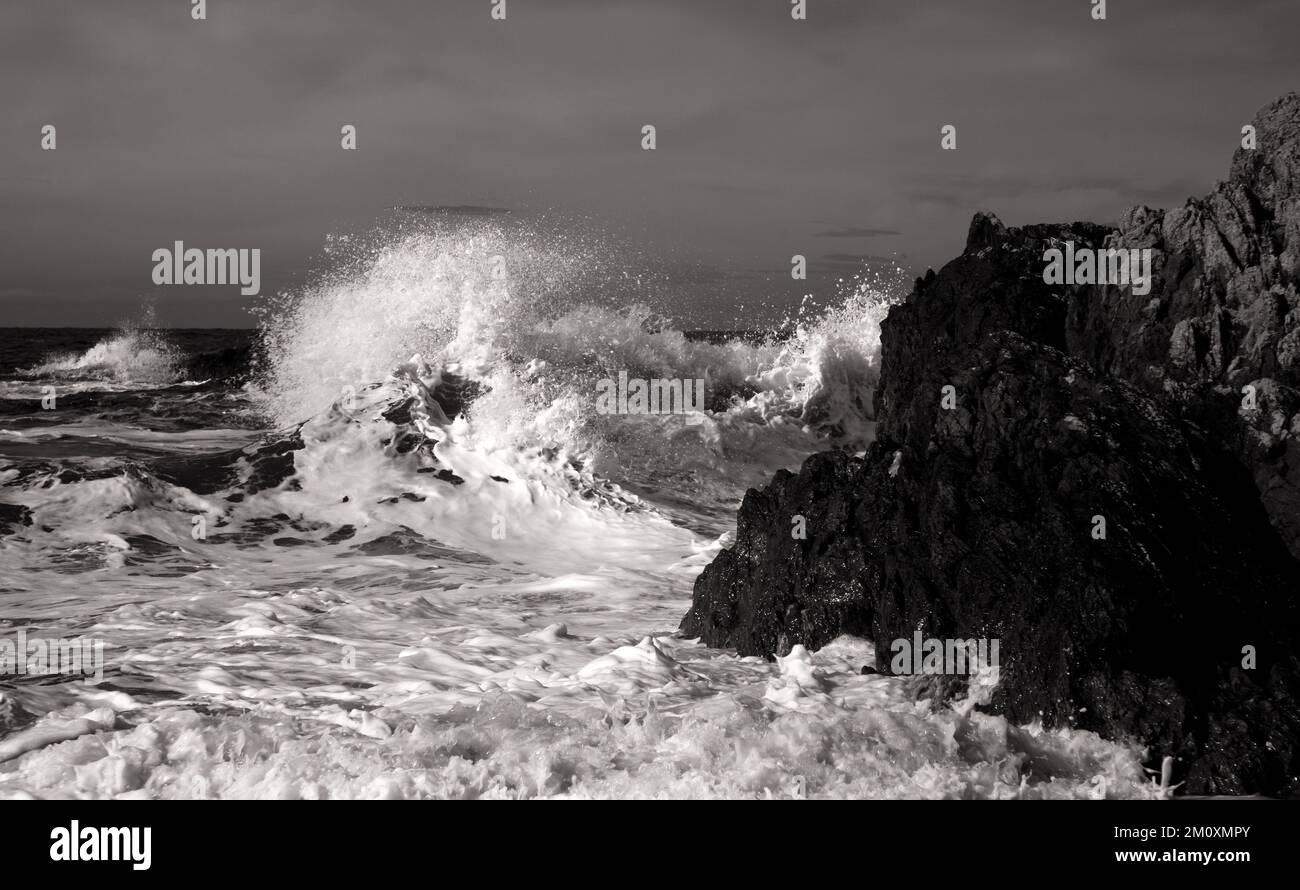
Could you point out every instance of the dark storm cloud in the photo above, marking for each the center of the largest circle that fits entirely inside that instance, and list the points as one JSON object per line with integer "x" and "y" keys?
{"x": 225, "y": 133}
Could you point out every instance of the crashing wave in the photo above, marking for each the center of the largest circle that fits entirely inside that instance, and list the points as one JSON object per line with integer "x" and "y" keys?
{"x": 515, "y": 320}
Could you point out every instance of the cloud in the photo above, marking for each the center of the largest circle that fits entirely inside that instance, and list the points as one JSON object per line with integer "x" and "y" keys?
{"x": 453, "y": 209}
{"x": 856, "y": 233}
{"x": 856, "y": 258}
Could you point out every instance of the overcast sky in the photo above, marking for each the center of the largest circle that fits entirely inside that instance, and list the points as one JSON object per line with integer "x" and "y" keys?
{"x": 775, "y": 136}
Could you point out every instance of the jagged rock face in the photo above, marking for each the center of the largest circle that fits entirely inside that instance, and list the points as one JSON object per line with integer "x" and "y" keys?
{"x": 1223, "y": 314}
{"x": 975, "y": 517}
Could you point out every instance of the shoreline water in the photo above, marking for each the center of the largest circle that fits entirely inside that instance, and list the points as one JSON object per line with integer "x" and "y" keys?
{"x": 502, "y": 625}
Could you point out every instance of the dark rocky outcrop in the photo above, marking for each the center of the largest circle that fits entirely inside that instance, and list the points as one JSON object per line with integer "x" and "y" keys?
{"x": 975, "y": 517}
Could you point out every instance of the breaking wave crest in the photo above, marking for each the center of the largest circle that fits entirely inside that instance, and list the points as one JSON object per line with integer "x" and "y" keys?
{"x": 531, "y": 325}
{"x": 137, "y": 353}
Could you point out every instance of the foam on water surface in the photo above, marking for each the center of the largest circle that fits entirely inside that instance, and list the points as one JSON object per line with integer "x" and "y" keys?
{"x": 446, "y": 575}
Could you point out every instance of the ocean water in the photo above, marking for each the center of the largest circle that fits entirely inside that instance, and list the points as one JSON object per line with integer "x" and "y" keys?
{"x": 386, "y": 546}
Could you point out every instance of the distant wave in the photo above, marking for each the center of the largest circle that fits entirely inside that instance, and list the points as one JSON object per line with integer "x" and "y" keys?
{"x": 135, "y": 353}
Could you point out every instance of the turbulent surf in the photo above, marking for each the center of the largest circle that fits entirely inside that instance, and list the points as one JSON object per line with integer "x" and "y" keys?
{"x": 387, "y": 546}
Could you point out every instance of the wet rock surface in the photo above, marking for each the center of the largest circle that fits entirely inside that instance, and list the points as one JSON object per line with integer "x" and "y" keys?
{"x": 1107, "y": 482}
